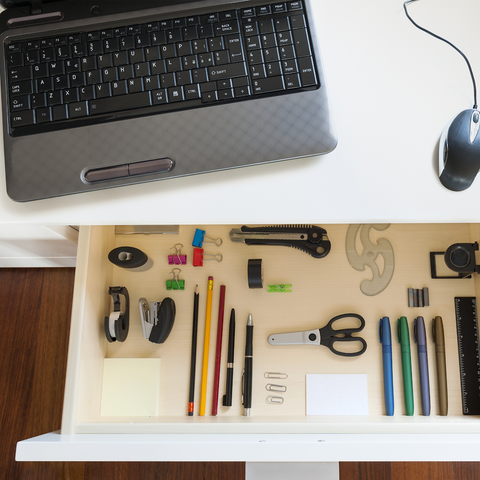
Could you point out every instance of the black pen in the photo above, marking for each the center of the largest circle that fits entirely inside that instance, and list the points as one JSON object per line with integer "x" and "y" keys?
{"x": 193, "y": 359}
{"x": 248, "y": 372}
{"x": 227, "y": 398}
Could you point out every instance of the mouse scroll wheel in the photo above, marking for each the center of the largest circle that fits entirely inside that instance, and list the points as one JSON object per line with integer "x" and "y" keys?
{"x": 474, "y": 125}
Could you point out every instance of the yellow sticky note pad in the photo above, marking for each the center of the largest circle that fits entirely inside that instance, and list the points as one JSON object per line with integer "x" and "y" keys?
{"x": 131, "y": 387}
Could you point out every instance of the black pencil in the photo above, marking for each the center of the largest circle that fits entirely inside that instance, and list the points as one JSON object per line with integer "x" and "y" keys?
{"x": 194, "y": 353}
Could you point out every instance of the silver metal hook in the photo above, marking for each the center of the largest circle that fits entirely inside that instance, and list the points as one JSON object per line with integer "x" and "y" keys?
{"x": 217, "y": 241}
{"x": 218, "y": 257}
{"x": 177, "y": 251}
{"x": 175, "y": 274}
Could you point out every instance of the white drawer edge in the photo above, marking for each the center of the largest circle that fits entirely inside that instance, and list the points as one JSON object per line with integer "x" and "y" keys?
{"x": 250, "y": 448}
{"x": 76, "y": 328}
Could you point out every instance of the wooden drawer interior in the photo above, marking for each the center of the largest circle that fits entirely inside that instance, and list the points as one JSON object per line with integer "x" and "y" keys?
{"x": 321, "y": 289}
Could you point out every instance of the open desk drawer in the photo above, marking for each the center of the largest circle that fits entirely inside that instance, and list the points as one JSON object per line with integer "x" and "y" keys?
{"x": 321, "y": 289}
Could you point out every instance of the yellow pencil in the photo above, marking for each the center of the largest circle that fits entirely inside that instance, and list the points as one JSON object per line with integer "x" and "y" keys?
{"x": 206, "y": 346}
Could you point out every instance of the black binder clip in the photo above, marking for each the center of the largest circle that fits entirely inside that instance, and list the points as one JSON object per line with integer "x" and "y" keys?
{"x": 116, "y": 325}
{"x": 157, "y": 321}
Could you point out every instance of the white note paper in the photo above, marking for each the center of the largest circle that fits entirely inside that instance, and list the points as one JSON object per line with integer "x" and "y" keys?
{"x": 337, "y": 394}
{"x": 131, "y": 387}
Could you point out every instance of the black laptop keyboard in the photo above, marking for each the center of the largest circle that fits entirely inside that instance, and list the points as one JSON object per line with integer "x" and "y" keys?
{"x": 165, "y": 65}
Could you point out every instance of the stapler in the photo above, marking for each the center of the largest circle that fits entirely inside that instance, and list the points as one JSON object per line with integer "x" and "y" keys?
{"x": 157, "y": 320}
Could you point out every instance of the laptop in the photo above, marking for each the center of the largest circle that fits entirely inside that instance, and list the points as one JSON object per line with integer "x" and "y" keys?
{"x": 108, "y": 93}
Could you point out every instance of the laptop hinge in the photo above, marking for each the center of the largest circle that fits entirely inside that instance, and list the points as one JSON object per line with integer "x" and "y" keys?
{"x": 36, "y": 7}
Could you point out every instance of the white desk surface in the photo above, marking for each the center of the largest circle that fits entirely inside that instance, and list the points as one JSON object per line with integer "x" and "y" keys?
{"x": 393, "y": 89}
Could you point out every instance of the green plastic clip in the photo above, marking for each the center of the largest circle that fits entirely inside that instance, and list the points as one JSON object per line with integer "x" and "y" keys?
{"x": 175, "y": 283}
{"x": 280, "y": 288}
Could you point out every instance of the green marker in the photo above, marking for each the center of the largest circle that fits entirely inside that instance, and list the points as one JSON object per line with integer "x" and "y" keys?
{"x": 404, "y": 340}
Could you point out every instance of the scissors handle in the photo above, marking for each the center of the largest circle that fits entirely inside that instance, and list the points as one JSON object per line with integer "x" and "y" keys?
{"x": 331, "y": 335}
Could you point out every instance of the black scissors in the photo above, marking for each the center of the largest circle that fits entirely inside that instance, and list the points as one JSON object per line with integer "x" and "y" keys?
{"x": 326, "y": 336}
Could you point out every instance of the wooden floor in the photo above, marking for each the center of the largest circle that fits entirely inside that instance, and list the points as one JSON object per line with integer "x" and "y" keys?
{"x": 35, "y": 307}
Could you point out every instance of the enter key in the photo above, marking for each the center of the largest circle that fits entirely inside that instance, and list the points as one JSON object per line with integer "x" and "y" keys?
{"x": 307, "y": 73}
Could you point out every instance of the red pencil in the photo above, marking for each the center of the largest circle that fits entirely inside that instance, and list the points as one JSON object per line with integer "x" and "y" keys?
{"x": 218, "y": 354}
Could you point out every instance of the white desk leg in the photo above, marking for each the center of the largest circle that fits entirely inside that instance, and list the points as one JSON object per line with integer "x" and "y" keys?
{"x": 292, "y": 471}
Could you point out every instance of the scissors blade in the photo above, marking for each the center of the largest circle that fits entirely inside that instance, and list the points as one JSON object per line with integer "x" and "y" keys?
{"x": 309, "y": 337}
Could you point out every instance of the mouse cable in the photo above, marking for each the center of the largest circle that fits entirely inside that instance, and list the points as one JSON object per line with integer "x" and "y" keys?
{"x": 449, "y": 43}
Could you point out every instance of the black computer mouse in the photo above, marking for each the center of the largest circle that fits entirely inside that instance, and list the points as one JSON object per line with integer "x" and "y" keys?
{"x": 459, "y": 151}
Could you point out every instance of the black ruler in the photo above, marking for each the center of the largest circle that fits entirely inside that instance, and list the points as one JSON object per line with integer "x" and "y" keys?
{"x": 469, "y": 354}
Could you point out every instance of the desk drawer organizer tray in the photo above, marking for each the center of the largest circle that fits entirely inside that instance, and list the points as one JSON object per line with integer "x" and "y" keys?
{"x": 321, "y": 289}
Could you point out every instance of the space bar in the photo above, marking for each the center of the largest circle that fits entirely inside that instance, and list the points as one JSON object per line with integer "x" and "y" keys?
{"x": 116, "y": 104}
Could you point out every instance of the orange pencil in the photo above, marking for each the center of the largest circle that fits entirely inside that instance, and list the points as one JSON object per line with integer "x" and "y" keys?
{"x": 206, "y": 346}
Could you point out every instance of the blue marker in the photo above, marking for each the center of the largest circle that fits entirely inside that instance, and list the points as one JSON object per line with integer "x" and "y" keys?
{"x": 386, "y": 341}
{"x": 421, "y": 339}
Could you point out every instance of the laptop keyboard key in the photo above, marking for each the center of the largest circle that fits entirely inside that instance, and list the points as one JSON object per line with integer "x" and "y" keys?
{"x": 300, "y": 40}
{"x": 43, "y": 115}
{"x": 23, "y": 118}
{"x": 307, "y": 72}
{"x": 268, "y": 85}
{"x": 77, "y": 110}
{"x": 21, "y": 88}
{"x": 117, "y": 104}
{"x": 227, "y": 71}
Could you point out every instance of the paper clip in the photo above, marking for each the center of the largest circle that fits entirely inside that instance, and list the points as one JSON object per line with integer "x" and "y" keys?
{"x": 276, "y": 375}
{"x": 175, "y": 283}
{"x": 274, "y": 400}
{"x": 177, "y": 258}
{"x": 280, "y": 288}
{"x": 199, "y": 239}
{"x": 198, "y": 257}
{"x": 271, "y": 387}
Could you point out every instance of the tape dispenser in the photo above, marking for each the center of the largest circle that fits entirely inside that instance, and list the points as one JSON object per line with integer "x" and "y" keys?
{"x": 116, "y": 325}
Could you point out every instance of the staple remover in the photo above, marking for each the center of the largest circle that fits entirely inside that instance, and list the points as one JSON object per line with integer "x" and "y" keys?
{"x": 310, "y": 239}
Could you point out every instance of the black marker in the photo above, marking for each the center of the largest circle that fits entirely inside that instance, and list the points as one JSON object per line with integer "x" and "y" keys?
{"x": 227, "y": 398}
{"x": 248, "y": 372}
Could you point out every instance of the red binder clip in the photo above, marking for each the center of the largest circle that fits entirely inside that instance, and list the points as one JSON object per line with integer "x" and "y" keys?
{"x": 198, "y": 257}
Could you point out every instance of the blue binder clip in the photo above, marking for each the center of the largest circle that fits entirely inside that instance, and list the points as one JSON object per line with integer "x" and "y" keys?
{"x": 199, "y": 239}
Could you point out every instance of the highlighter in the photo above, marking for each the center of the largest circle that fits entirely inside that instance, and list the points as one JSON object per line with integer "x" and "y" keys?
{"x": 404, "y": 340}
{"x": 439, "y": 339}
{"x": 386, "y": 341}
{"x": 419, "y": 334}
